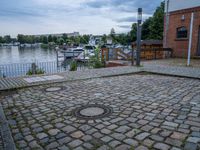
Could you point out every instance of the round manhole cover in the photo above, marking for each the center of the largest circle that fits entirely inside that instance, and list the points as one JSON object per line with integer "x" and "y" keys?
{"x": 93, "y": 111}
{"x": 54, "y": 89}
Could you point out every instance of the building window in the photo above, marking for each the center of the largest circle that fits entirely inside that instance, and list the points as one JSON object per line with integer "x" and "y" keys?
{"x": 181, "y": 32}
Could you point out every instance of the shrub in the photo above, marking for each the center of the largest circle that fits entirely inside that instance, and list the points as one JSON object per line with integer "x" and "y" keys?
{"x": 73, "y": 66}
{"x": 95, "y": 60}
{"x": 35, "y": 70}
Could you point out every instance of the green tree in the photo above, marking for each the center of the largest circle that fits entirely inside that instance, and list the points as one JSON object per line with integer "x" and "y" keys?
{"x": 84, "y": 39}
{"x": 21, "y": 38}
{"x": 152, "y": 28}
{"x": 133, "y": 33}
{"x": 55, "y": 39}
{"x": 44, "y": 40}
{"x": 157, "y": 24}
{"x": 1, "y": 39}
{"x": 50, "y": 39}
{"x": 104, "y": 39}
{"x": 146, "y": 31}
{"x": 7, "y": 38}
{"x": 64, "y": 37}
{"x": 60, "y": 41}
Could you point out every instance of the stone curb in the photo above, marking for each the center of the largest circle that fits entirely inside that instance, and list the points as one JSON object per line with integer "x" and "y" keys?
{"x": 8, "y": 142}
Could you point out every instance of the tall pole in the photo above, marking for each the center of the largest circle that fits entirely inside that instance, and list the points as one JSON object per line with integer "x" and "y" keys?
{"x": 166, "y": 23}
{"x": 139, "y": 35}
{"x": 190, "y": 40}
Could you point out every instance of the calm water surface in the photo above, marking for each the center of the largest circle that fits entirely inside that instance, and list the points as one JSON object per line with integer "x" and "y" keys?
{"x": 9, "y": 55}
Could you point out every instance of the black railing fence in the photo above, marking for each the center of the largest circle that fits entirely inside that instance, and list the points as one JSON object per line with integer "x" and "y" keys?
{"x": 22, "y": 69}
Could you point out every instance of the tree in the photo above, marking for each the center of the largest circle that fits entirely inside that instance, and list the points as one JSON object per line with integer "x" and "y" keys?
{"x": 152, "y": 28}
{"x": 1, "y": 39}
{"x": 104, "y": 39}
{"x": 55, "y": 39}
{"x": 7, "y": 39}
{"x": 44, "y": 40}
{"x": 21, "y": 38}
{"x": 146, "y": 31}
{"x": 156, "y": 27}
{"x": 50, "y": 39}
{"x": 64, "y": 37}
{"x": 133, "y": 33}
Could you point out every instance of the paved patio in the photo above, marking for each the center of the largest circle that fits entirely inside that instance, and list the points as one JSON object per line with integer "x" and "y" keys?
{"x": 148, "y": 112}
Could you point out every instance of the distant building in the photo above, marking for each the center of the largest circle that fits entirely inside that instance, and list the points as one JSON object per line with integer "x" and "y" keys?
{"x": 177, "y": 26}
{"x": 74, "y": 34}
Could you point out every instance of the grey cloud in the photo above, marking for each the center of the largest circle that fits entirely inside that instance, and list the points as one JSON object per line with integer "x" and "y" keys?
{"x": 127, "y": 19}
{"x": 124, "y": 26}
{"x": 125, "y": 5}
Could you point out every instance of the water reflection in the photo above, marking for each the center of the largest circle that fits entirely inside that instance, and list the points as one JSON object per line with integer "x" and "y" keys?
{"x": 9, "y": 55}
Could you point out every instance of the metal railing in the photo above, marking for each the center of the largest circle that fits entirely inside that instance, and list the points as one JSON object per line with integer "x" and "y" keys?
{"x": 22, "y": 69}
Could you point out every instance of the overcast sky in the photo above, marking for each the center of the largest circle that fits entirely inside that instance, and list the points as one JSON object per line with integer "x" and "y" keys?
{"x": 63, "y": 16}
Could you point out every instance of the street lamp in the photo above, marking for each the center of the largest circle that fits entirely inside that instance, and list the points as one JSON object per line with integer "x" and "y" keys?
{"x": 139, "y": 22}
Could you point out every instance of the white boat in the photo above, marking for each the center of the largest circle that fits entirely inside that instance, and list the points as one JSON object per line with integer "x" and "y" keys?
{"x": 73, "y": 52}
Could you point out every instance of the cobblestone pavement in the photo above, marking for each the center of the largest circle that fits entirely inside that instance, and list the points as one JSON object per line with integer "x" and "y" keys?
{"x": 148, "y": 112}
{"x": 19, "y": 82}
{"x": 173, "y": 62}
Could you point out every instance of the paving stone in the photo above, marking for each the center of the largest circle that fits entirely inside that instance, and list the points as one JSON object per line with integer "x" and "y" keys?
{"x": 175, "y": 148}
{"x": 79, "y": 148}
{"x": 131, "y": 142}
{"x": 87, "y": 137}
{"x": 123, "y": 147}
{"x": 52, "y": 145}
{"x": 105, "y": 131}
{"x": 161, "y": 146}
{"x": 123, "y": 129}
{"x": 141, "y": 148}
{"x": 77, "y": 134}
{"x": 106, "y": 139}
{"x": 41, "y": 135}
{"x": 171, "y": 124}
{"x": 104, "y": 147}
{"x": 114, "y": 143}
{"x": 142, "y": 136}
{"x": 148, "y": 142}
{"x": 64, "y": 140}
{"x": 88, "y": 145}
{"x": 63, "y": 148}
{"x": 53, "y": 132}
{"x": 157, "y": 138}
{"x": 34, "y": 145}
{"x": 68, "y": 129}
{"x": 190, "y": 146}
{"x": 179, "y": 136}
{"x": 75, "y": 143}
{"x": 193, "y": 139}
{"x": 173, "y": 142}
{"x": 29, "y": 138}
{"x": 118, "y": 136}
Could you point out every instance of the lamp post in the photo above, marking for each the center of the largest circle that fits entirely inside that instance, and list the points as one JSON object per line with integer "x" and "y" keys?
{"x": 139, "y": 22}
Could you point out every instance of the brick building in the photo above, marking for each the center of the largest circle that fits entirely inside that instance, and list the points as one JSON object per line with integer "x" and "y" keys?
{"x": 177, "y": 26}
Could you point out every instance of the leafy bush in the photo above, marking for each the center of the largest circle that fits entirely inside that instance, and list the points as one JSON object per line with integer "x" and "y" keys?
{"x": 95, "y": 60}
{"x": 35, "y": 70}
{"x": 73, "y": 66}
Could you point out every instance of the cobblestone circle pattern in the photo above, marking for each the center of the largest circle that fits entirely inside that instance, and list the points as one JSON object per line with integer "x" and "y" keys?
{"x": 148, "y": 112}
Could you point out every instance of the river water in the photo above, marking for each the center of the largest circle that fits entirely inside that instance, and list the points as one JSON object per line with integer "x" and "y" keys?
{"x": 15, "y": 61}
{"x": 14, "y": 54}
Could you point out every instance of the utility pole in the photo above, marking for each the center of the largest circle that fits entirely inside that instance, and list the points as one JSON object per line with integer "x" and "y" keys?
{"x": 190, "y": 40}
{"x": 139, "y": 33}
